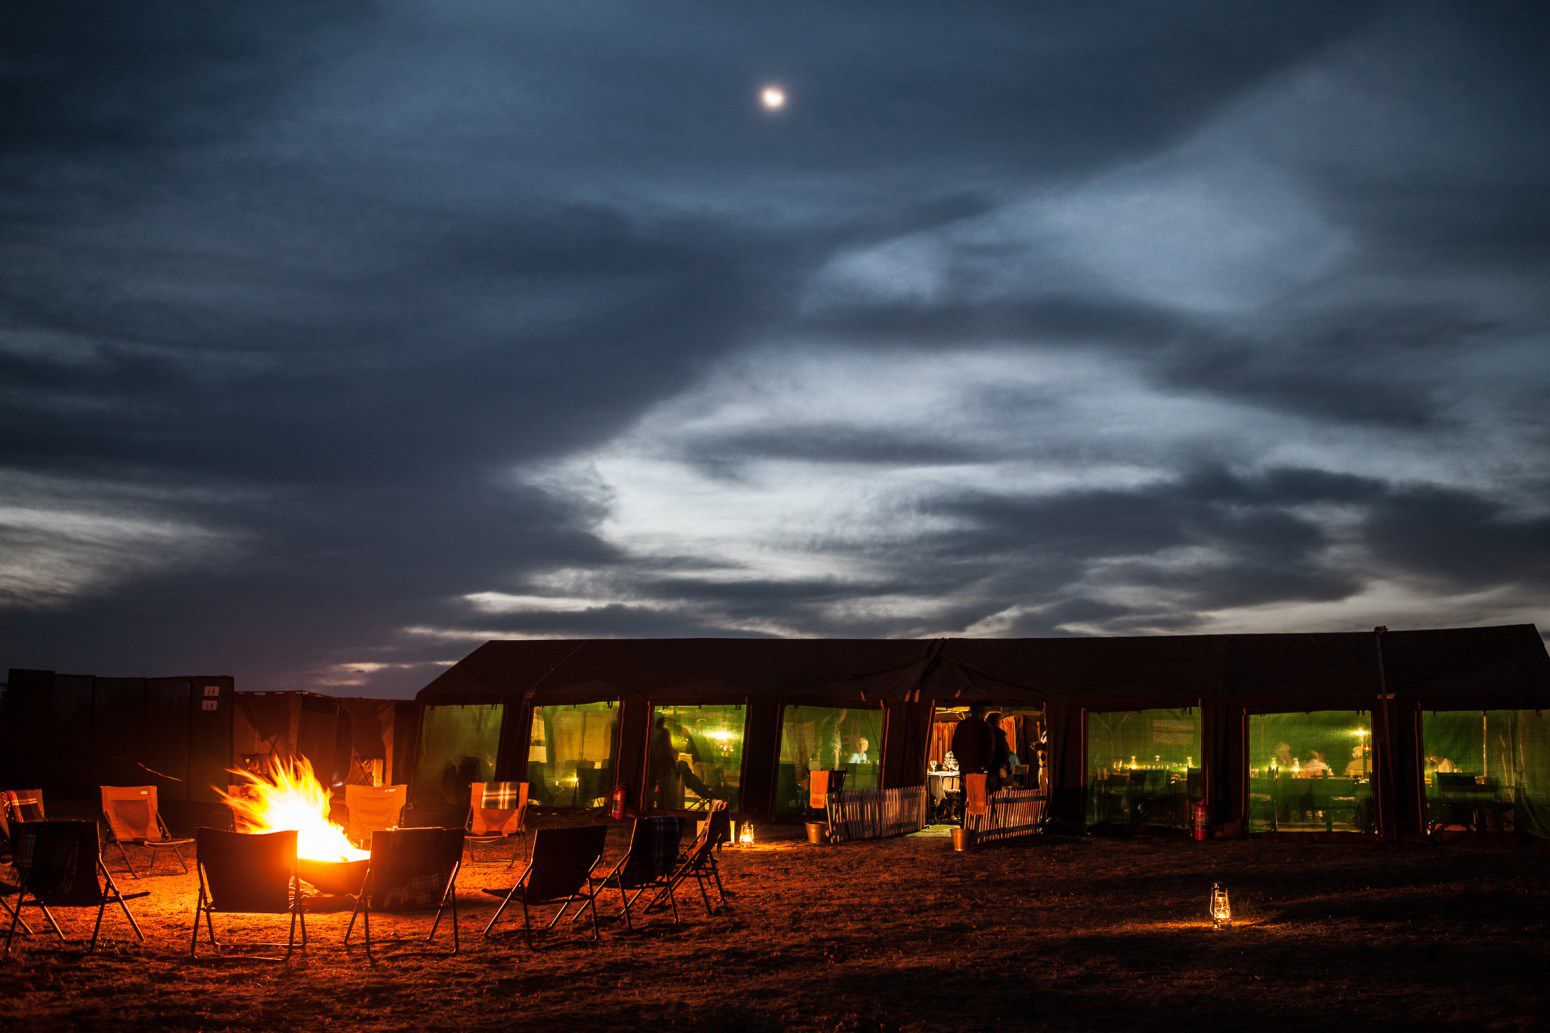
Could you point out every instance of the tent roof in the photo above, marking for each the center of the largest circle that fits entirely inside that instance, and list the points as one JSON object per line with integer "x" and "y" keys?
{"x": 1462, "y": 666}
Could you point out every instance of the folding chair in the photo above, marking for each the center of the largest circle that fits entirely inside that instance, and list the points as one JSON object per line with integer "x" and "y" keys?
{"x": 58, "y": 864}
{"x": 559, "y": 872}
{"x": 649, "y": 863}
{"x": 22, "y": 805}
{"x": 372, "y": 809}
{"x": 700, "y": 863}
{"x": 134, "y": 819}
{"x": 496, "y": 811}
{"x": 409, "y": 869}
{"x": 247, "y": 873}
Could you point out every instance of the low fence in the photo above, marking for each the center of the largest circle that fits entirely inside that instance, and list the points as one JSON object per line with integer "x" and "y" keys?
{"x": 875, "y": 813}
{"x": 1011, "y": 813}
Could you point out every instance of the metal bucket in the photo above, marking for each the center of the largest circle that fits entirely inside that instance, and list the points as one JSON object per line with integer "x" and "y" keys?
{"x": 962, "y": 839}
{"x": 817, "y": 832}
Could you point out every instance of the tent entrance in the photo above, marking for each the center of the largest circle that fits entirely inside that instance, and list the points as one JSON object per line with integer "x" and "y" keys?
{"x": 1025, "y": 732}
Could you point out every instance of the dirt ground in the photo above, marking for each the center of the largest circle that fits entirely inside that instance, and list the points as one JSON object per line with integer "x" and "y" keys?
{"x": 895, "y": 935}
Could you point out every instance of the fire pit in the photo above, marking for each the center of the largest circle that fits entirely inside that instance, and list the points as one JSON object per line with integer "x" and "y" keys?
{"x": 334, "y": 877}
{"x": 287, "y": 795}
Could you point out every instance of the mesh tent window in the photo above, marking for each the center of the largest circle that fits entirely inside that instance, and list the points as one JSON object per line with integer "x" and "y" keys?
{"x": 1310, "y": 771}
{"x": 696, "y": 755}
{"x": 1143, "y": 766}
{"x": 826, "y": 739}
{"x": 570, "y": 754}
{"x": 458, "y": 746}
{"x": 1487, "y": 770}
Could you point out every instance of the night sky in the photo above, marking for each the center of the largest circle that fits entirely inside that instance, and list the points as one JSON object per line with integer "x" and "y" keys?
{"x": 338, "y": 339}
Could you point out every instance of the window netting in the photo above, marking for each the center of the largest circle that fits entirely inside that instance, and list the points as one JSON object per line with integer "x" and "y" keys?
{"x": 1487, "y": 770}
{"x": 696, "y": 755}
{"x": 1143, "y": 766}
{"x": 1311, "y": 772}
{"x": 570, "y": 757}
{"x": 826, "y": 738}
{"x": 458, "y": 747}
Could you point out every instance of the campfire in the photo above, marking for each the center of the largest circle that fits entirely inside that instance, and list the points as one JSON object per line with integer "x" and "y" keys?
{"x": 286, "y": 795}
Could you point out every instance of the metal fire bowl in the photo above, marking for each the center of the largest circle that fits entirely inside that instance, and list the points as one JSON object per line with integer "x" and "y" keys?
{"x": 337, "y": 877}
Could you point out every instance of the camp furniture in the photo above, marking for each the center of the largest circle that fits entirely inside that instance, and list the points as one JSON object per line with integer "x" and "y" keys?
{"x": 134, "y": 819}
{"x": 22, "y": 805}
{"x": 496, "y": 812}
{"x": 559, "y": 872}
{"x": 649, "y": 863}
{"x": 410, "y": 869}
{"x": 247, "y": 873}
{"x": 59, "y": 865}
{"x": 699, "y": 861}
{"x": 372, "y": 809}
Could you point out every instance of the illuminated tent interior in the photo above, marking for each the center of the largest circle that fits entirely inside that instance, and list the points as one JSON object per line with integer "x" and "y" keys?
{"x": 1123, "y": 733}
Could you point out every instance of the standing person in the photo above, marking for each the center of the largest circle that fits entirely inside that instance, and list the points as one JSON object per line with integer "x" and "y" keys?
{"x": 973, "y": 745}
{"x": 1000, "y": 754}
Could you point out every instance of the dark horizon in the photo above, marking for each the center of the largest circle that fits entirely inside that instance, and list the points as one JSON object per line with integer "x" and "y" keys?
{"x": 333, "y": 344}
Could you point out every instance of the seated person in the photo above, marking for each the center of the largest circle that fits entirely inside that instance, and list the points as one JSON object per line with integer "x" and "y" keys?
{"x": 1441, "y": 764}
{"x": 1357, "y": 768}
{"x": 860, "y": 756}
{"x": 1316, "y": 767}
{"x": 1283, "y": 758}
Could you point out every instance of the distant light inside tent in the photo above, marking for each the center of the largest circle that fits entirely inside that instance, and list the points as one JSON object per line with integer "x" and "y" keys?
{"x": 1360, "y": 733}
{"x": 773, "y": 97}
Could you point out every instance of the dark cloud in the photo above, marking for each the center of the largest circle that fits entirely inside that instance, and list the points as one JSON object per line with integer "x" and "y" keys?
{"x": 315, "y": 321}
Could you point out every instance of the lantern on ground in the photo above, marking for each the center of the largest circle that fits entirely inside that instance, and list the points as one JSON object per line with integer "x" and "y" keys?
{"x": 745, "y": 834}
{"x": 1221, "y": 909}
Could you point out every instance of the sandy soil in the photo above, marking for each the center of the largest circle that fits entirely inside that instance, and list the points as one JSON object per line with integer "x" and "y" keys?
{"x": 896, "y": 935}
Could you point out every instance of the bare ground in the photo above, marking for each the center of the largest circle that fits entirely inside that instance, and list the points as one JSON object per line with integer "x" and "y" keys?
{"x": 896, "y": 935}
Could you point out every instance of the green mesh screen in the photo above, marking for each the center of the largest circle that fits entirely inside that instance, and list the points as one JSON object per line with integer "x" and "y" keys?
{"x": 1311, "y": 772}
{"x": 832, "y": 738}
{"x": 695, "y": 755}
{"x": 458, "y": 746}
{"x": 570, "y": 755}
{"x": 1487, "y": 770}
{"x": 1143, "y": 766}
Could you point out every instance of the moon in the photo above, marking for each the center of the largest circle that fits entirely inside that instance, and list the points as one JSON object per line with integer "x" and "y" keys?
{"x": 772, "y": 97}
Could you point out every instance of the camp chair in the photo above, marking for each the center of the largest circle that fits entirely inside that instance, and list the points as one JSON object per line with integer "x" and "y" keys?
{"x": 699, "y": 862}
{"x": 22, "y": 805}
{"x": 58, "y": 864}
{"x": 247, "y": 873}
{"x": 410, "y": 868}
{"x": 372, "y": 809}
{"x": 649, "y": 863}
{"x": 134, "y": 819}
{"x": 559, "y": 871}
{"x": 496, "y": 811}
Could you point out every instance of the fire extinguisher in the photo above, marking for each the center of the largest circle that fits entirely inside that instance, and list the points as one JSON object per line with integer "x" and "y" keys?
{"x": 616, "y": 804}
{"x": 1201, "y": 826}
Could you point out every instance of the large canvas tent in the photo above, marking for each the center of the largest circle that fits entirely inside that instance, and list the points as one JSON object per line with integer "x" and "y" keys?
{"x": 577, "y": 717}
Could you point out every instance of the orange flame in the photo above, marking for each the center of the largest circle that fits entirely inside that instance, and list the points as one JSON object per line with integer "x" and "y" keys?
{"x": 289, "y": 796}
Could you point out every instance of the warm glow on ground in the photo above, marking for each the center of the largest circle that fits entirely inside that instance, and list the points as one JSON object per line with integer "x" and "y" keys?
{"x": 288, "y": 796}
